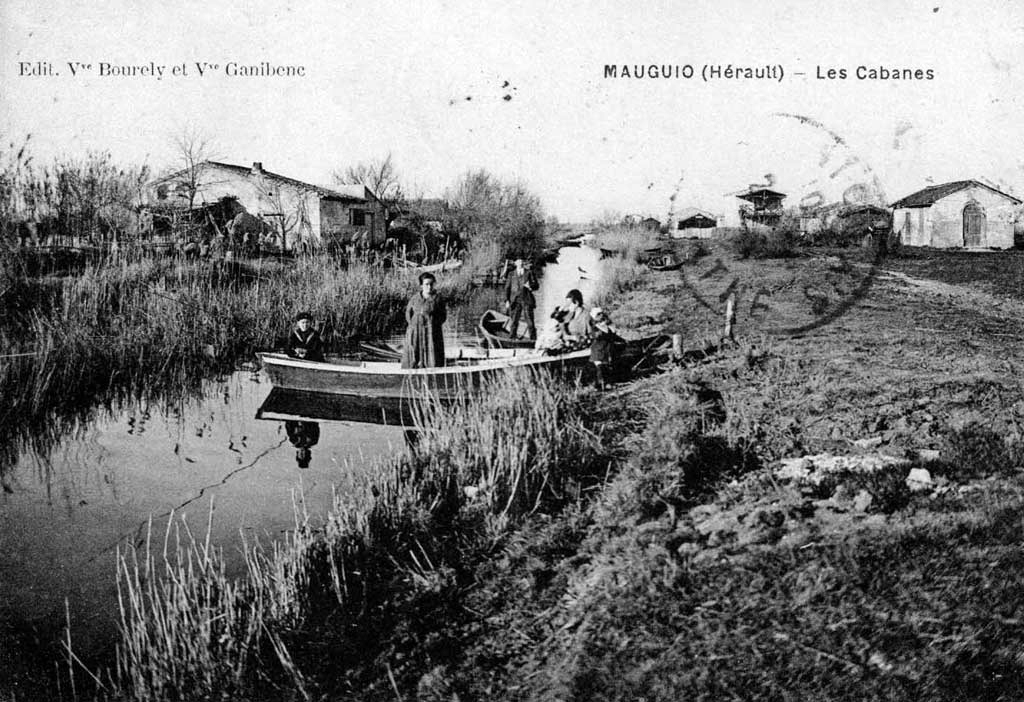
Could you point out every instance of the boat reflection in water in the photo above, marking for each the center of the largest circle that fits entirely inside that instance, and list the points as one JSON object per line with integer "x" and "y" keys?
{"x": 299, "y": 408}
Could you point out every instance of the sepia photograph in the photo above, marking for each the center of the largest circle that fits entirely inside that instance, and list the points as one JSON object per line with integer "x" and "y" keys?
{"x": 456, "y": 351}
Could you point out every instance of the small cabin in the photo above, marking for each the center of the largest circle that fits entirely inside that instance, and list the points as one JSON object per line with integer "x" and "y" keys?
{"x": 963, "y": 213}
{"x": 694, "y": 223}
{"x": 762, "y": 206}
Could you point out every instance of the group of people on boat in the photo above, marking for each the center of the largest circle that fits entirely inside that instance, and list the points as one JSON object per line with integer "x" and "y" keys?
{"x": 571, "y": 326}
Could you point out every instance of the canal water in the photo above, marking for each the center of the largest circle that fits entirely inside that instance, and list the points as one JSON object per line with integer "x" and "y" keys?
{"x": 248, "y": 456}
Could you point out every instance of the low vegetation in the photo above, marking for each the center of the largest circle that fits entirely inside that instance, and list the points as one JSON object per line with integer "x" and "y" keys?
{"x": 345, "y": 593}
{"x": 776, "y": 242}
{"x": 627, "y": 242}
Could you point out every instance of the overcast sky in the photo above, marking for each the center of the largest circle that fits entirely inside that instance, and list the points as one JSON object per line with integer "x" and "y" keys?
{"x": 385, "y": 77}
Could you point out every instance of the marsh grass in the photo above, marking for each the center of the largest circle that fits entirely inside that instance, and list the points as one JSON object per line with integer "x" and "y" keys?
{"x": 157, "y": 326}
{"x": 515, "y": 458}
{"x": 629, "y": 242}
{"x": 618, "y": 276}
{"x": 480, "y": 466}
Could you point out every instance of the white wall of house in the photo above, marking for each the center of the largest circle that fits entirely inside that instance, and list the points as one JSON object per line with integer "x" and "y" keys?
{"x": 942, "y": 224}
{"x": 295, "y": 208}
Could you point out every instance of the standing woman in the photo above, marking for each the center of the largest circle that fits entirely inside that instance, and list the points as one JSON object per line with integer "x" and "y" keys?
{"x": 425, "y": 314}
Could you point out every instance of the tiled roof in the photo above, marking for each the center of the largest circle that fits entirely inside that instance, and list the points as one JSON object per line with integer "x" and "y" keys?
{"x": 932, "y": 194}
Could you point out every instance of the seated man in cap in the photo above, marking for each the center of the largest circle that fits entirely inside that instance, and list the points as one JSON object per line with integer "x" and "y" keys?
{"x": 304, "y": 342}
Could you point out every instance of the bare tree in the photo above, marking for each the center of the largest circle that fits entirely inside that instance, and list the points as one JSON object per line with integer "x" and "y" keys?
{"x": 381, "y": 177}
{"x": 192, "y": 147}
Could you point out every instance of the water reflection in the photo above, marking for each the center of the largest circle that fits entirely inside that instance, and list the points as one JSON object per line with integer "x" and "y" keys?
{"x": 67, "y": 509}
{"x": 303, "y": 436}
{"x": 302, "y": 406}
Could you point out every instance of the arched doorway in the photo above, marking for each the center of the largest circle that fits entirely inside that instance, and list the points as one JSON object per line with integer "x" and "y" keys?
{"x": 974, "y": 225}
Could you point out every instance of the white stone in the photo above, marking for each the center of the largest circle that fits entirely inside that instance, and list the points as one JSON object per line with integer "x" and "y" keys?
{"x": 919, "y": 480}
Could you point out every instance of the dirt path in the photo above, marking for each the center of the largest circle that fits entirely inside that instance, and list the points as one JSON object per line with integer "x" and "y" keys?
{"x": 983, "y": 300}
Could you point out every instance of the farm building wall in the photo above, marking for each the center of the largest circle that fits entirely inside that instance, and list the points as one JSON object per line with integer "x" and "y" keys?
{"x": 294, "y": 209}
{"x": 942, "y": 224}
{"x": 341, "y": 223}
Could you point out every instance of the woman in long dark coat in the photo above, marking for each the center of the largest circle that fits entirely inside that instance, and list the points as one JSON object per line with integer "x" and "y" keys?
{"x": 425, "y": 315}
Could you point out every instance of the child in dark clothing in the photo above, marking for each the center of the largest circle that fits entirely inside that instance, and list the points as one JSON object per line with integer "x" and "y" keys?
{"x": 602, "y": 348}
{"x": 304, "y": 342}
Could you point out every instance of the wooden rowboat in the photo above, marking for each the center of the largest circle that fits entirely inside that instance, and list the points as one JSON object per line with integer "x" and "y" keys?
{"x": 493, "y": 328}
{"x": 459, "y": 378}
{"x": 389, "y": 379}
{"x": 664, "y": 263}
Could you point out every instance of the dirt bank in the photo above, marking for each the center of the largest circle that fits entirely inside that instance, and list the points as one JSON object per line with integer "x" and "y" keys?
{"x": 759, "y": 537}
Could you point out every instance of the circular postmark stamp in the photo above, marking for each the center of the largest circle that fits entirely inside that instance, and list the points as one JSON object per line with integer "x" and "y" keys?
{"x": 842, "y": 200}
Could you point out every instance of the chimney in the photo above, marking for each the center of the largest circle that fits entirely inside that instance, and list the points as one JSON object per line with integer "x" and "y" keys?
{"x": 257, "y": 167}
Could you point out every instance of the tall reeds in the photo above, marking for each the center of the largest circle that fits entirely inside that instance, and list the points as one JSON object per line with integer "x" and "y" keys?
{"x": 524, "y": 450}
{"x": 191, "y": 632}
{"x": 630, "y": 243}
{"x": 132, "y": 325}
{"x": 618, "y": 276}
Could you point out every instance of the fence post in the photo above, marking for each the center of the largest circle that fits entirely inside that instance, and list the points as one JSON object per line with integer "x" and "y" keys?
{"x": 677, "y": 346}
{"x": 730, "y": 316}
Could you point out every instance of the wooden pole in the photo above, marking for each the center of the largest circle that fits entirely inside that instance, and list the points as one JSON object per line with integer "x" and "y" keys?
{"x": 730, "y": 316}
{"x": 677, "y": 346}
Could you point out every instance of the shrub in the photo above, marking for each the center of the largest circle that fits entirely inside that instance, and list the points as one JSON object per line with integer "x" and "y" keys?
{"x": 696, "y": 250}
{"x": 976, "y": 451}
{"x": 780, "y": 241}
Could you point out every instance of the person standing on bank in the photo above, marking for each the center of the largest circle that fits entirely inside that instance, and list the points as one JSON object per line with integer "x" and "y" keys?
{"x": 425, "y": 315}
{"x": 519, "y": 299}
{"x": 304, "y": 342}
{"x": 602, "y": 348}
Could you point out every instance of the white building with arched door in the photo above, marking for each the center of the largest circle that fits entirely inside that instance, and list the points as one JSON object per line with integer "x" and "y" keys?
{"x": 964, "y": 213}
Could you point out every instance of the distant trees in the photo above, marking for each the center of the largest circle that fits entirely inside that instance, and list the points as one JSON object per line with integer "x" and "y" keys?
{"x": 72, "y": 200}
{"x": 481, "y": 212}
{"x": 489, "y": 213}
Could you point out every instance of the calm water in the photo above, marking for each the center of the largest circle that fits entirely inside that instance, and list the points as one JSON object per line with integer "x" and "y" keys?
{"x": 64, "y": 514}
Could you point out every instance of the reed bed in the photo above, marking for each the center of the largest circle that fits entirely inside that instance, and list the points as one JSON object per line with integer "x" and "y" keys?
{"x": 629, "y": 242}
{"x": 156, "y": 325}
{"x": 190, "y": 632}
{"x": 525, "y": 450}
{"x": 618, "y": 276}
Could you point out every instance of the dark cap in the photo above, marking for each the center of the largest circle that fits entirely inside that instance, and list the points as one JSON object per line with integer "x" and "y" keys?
{"x": 304, "y": 315}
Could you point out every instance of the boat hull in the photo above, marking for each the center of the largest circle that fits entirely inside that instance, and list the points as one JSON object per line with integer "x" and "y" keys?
{"x": 492, "y": 328}
{"x": 389, "y": 379}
